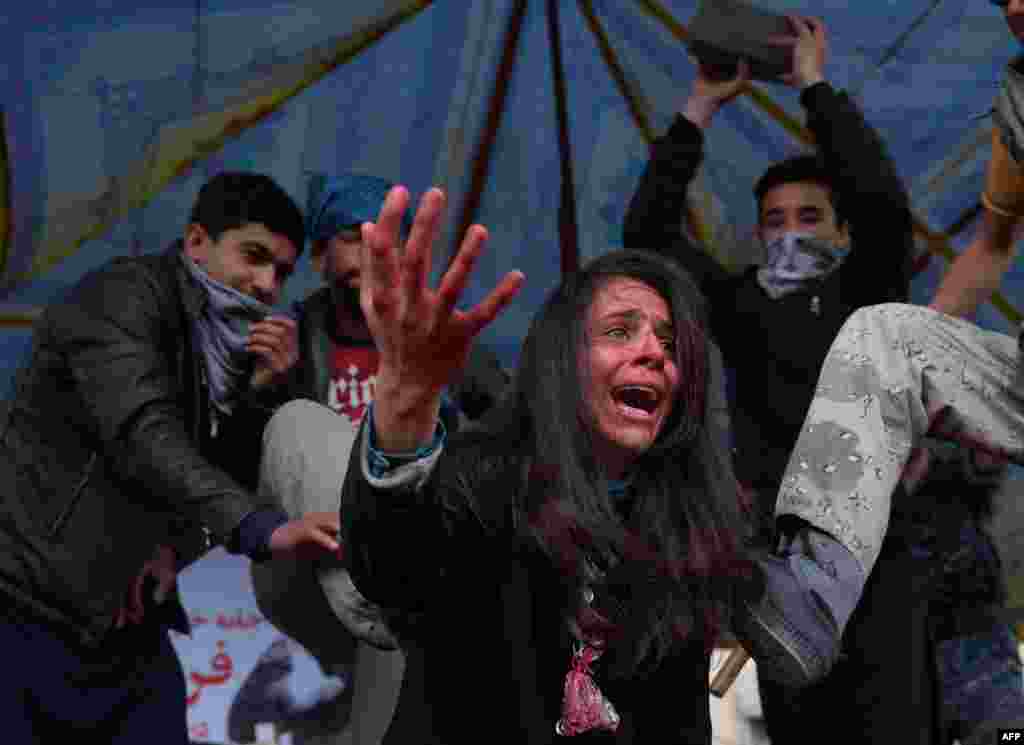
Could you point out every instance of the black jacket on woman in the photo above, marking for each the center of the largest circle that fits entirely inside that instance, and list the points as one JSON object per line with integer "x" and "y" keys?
{"x": 485, "y": 603}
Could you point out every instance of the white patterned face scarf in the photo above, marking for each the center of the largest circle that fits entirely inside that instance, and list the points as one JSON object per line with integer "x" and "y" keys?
{"x": 794, "y": 259}
{"x": 222, "y": 332}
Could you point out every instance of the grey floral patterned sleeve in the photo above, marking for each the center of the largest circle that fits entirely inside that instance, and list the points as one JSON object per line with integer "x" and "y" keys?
{"x": 894, "y": 373}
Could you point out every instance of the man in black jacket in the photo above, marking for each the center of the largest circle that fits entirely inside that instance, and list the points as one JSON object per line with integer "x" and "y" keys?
{"x": 775, "y": 322}
{"x": 133, "y": 432}
{"x": 837, "y": 234}
{"x": 897, "y": 374}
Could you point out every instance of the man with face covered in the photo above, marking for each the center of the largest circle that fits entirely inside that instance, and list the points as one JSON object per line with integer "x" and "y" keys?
{"x": 337, "y": 366}
{"x": 129, "y": 448}
{"x": 897, "y": 374}
{"x": 837, "y": 235}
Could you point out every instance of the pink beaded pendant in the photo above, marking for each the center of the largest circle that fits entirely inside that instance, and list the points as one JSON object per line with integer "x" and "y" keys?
{"x": 584, "y": 707}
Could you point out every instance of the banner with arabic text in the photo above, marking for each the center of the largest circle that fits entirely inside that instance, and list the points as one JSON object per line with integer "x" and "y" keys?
{"x": 246, "y": 682}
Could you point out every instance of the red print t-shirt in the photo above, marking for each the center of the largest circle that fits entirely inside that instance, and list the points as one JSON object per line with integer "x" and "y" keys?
{"x": 353, "y": 380}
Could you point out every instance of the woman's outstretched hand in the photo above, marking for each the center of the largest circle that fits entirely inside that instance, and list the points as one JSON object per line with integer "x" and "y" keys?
{"x": 422, "y": 339}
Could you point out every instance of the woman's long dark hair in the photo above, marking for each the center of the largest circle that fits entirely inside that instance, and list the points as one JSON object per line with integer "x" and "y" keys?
{"x": 671, "y": 566}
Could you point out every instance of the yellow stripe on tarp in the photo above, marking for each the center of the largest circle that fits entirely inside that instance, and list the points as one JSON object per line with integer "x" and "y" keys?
{"x": 640, "y": 110}
{"x": 178, "y": 148}
{"x": 936, "y": 241}
{"x": 19, "y": 317}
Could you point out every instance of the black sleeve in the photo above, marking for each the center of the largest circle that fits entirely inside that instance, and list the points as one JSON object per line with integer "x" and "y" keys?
{"x": 870, "y": 193}
{"x": 481, "y": 383}
{"x": 653, "y": 218}
{"x": 399, "y": 543}
{"x": 117, "y": 343}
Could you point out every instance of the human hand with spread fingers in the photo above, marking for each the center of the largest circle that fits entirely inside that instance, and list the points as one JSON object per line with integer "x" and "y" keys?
{"x": 422, "y": 339}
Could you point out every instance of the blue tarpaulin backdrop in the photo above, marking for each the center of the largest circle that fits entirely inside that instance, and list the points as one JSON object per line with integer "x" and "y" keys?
{"x": 115, "y": 112}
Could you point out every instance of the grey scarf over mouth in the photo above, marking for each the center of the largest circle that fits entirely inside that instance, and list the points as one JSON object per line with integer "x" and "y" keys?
{"x": 221, "y": 333}
{"x": 794, "y": 259}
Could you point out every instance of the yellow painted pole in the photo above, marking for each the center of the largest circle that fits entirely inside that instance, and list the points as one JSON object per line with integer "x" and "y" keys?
{"x": 640, "y": 111}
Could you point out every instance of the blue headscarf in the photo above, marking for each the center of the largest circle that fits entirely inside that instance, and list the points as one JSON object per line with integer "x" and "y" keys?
{"x": 346, "y": 202}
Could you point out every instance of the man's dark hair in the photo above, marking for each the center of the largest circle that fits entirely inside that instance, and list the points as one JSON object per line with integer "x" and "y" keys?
{"x": 233, "y": 199}
{"x": 798, "y": 169}
{"x": 674, "y": 562}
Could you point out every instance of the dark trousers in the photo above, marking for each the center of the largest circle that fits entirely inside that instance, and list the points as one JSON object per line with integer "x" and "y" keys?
{"x": 981, "y": 682}
{"x": 130, "y": 690}
{"x": 883, "y": 689}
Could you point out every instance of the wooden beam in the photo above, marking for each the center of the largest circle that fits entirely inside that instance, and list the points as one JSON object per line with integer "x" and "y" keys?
{"x": 639, "y": 110}
{"x": 568, "y": 232}
{"x": 485, "y": 147}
